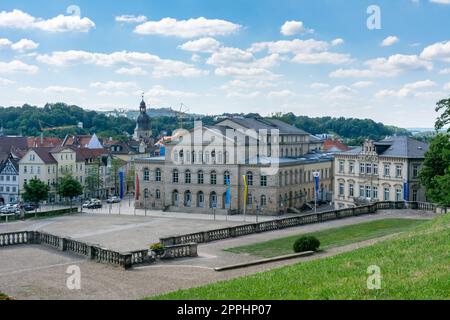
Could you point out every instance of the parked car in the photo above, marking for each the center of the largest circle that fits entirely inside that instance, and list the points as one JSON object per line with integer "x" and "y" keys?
{"x": 9, "y": 209}
{"x": 113, "y": 200}
{"x": 30, "y": 206}
{"x": 92, "y": 204}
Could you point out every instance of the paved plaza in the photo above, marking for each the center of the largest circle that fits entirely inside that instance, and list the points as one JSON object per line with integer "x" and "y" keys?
{"x": 36, "y": 272}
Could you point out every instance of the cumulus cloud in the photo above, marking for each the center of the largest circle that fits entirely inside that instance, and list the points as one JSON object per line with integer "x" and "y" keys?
{"x": 408, "y": 90}
{"x": 17, "y": 66}
{"x": 290, "y": 28}
{"x": 113, "y": 85}
{"x": 161, "y": 67}
{"x": 337, "y": 42}
{"x": 445, "y": 71}
{"x": 51, "y": 89}
{"x": 192, "y": 28}
{"x": 201, "y": 45}
{"x": 6, "y": 82}
{"x": 127, "y": 18}
{"x": 437, "y": 51}
{"x": 389, "y": 41}
{"x": 24, "y": 45}
{"x": 362, "y": 84}
{"x": 18, "y": 19}
{"x": 319, "y": 85}
{"x": 136, "y": 71}
{"x": 385, "y": 67}
{"x": 20, "y": 46}
{"x": 304, "y": 51}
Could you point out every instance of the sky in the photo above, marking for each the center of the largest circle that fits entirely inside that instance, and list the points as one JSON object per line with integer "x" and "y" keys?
{"x": 387, "y": 60}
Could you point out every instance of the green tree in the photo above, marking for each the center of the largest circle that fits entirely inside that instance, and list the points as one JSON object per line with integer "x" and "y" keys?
{"x": 35, "y": 191}
{"x": 435, "y": 174}
{"x": 69, "y": 187}
{"x": 444, "y": 118}
{"x": 93, "y": 182}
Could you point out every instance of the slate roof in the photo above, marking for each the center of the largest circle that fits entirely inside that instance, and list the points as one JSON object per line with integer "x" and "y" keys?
{"x": 400, "y": 147}
{"x": 45, "y": 155}
{"x": 265, "y": 123}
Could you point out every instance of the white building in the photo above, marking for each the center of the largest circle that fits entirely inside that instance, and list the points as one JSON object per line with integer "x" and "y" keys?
{"x": 9, "y": 180}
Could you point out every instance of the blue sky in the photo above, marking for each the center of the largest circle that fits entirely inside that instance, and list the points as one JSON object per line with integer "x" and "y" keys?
{"x": 312, "y": 58}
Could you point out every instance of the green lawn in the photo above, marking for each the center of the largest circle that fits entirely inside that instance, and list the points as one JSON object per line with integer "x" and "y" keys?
{"x": 329, "y": 238}
{"x": 414, "y": 265}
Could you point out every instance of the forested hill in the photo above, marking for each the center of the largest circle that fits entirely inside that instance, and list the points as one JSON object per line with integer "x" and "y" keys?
{"x": 26, "y": 121}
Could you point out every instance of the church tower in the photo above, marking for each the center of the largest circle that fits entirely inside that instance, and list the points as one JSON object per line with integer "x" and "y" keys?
{"x": 143, "y": 129}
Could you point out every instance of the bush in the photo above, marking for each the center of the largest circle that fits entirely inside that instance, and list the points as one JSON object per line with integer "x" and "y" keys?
{"x": 156, "y": 247}
{"x": 306, "y": 243}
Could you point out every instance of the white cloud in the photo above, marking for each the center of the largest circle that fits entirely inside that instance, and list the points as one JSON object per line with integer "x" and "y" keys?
{"x": 281, "y": 94}
{"x": 340, "y": 92}
{"x": 6, "y": 82}
{"x": 246, "y": 72}
{"x": 362, "y": 84}
{"x": 201, "y": 45}
{"x": 440, "y": 1}
{"x": 293, "y": 27}
{"x": 445, "y": 71}
{"x": 160, "y": 91}
{"x": 322, "y": 58}
{"x": 5, "y": 43}
{"x": 136, "y": 71}
{"x": 389, "y": 41}
{"x": 199, "y": 27}
{"x": 126, "y": 18}
{"x": 408, "y": 90}
{"x": 447, "y": 86}
{"x": 24, "y": 45}
{"x": 161, "y": 67}
{"x": 238, "y": 84}
{"x": 50, "y": 89}
{"x": 319, "y": 85}
{"x": 18, "y": 19}
{"x": 17, "y": 66}
{"x": 227, "y": 56}
{"x": 113, "y": 85}
{"x": 437, "y": 51}
{"x": 337, "y": 42}
{"x": 385, "y": 67}
{"x": 105, "y": 93}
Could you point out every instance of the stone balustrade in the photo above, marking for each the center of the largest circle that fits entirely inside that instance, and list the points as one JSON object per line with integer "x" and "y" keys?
{"x": 247, "y": 229}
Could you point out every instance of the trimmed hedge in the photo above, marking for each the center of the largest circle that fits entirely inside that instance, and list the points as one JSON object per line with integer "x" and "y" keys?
{"x": 306, "y": 243}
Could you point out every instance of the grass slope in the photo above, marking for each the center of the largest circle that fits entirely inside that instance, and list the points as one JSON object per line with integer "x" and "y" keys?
{"x": 329, "y": 238}
{"x": 414, "y": 265}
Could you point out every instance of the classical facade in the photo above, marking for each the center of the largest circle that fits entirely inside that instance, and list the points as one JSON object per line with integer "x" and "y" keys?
{"x": 386, "y": 170}
{"x": 200, "y": 165}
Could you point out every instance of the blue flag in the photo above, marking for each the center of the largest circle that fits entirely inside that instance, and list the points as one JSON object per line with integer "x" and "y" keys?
{"x": 228, "y": 194}
{"x": 405, "y": 191}
{"x": 122, "y": 184}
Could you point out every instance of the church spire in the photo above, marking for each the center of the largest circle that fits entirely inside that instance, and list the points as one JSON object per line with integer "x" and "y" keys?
{"x": 143, "y": 106}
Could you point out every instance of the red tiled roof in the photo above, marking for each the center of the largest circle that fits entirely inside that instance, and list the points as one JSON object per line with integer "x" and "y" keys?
{"x": 336, "y": 144}
{"x": 46, "y": 142}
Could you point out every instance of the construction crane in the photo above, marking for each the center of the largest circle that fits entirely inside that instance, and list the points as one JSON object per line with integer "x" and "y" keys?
{"x": 80, "y": 125}
{"x": 182, "y": 113}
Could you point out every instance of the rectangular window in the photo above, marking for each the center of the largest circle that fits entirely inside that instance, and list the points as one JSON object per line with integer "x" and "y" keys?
{"x": 387, "y": 170}
{"x": 158, "y": 175}
{"x": 368, "y": 168}
{"x": 362, "y": 168}
{"x": 375, "y": 193}
{"x": 386, "y": 194}
{"x": 368, "y": 191}
{"x": 341, "y": 166}
{"x": 352, "y": 167}
{"x": 415, "y": 171}
{"x": 341, "y": 189}
{"x": 398, "y": 171}
{"x": 398, "y": 194}
{"x": 200, "y": 178}
{"x": 375, "y": 169}
{"x": 263, "y": 181}
{"x": 414, "y": 195}
{"x": 351, "y": 190}
{"x": 361, "y": 191}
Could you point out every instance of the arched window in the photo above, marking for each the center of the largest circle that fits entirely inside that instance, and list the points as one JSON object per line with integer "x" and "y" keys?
{"x": 200, "y": 177}
{"x": 213, "y": 200}
{"x": 187, "y": 177}
{"x": 249, "y": 178}
{"x": 181, "y": 154}
{"x": 146, "y": 174}
{"x": 175, "y": 176}
{"x": 263, "y": 200}
{"x": 158, "y": 175}
{"x": 187, "y": 199}
{"x": 226, "y": 177}
{"x": 200, "y": 199}
{"x": 249, "y": 199}
{"x": 158, "y": 194}
{"x": 213, "y": 177}
{"x": 175, "y": 198}
{"x": 146, "y": 193}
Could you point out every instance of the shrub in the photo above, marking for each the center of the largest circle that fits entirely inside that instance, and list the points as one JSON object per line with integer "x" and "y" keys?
{"x": 156, "y": 247}
{"x": 306, "y": 243}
